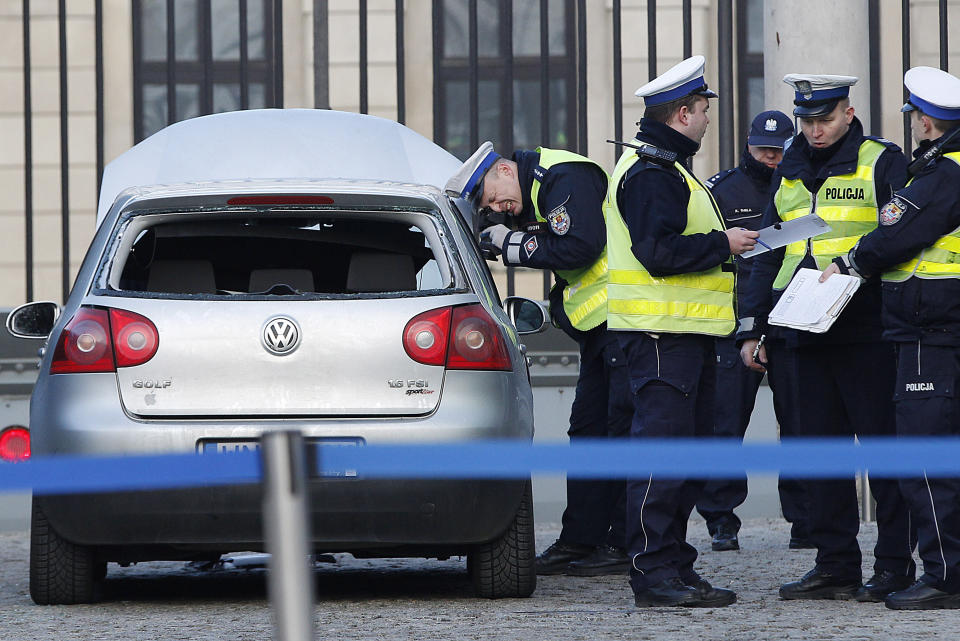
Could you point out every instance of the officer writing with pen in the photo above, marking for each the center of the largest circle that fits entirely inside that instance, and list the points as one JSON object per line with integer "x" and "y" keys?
{"x": 916, "y": 252}
{"x": 670, "y": 293}
{"x": 846, "y": 375}
{"x": 548, "y": 206}
{"x": 742, "y": 194}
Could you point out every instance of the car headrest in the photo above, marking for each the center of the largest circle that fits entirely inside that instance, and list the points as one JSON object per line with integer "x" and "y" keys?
{"x": 381, "y": 272}
{"x": 182, "y": 277}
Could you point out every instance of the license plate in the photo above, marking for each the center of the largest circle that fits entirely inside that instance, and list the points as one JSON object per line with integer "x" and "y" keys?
{"x": 235, "y": 446}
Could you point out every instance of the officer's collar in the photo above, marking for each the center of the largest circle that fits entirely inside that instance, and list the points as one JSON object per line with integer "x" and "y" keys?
{"x": 798, "y": 161}
{"x": 667, "y": 138}
{"x": 526, "y": 161}
{"x": 755, "y": 169}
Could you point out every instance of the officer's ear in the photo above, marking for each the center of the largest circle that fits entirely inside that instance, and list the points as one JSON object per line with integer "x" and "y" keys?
{"x": 848, "y": 113}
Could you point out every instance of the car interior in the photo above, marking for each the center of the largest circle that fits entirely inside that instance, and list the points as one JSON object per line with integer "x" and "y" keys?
{"x": 277, "y": 256}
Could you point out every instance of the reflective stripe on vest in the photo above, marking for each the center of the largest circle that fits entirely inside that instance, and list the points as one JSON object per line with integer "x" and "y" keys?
{"x": 585, "y": 296}
{"x": 699, "y": 302}
{"x": 848, "y": 203}
{"x": 939, "y": 260}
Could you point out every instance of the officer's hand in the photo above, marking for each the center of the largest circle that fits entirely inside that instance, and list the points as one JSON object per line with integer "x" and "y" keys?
{"x": 746, "y": 354}
{"x": 831, "y": 269}
{"x": 494, "y": 238}
{"x": 741, "y": 240}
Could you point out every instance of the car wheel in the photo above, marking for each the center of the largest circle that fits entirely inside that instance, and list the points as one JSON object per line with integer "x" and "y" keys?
{"x": 504, "y": 567}
{"x": 61, "y": 572}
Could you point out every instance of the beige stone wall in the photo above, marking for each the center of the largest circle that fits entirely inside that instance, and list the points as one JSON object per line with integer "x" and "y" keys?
{"x": 924, "y": 50}
{"x": 46, "y": 145}
{"x": 344, "y": 94}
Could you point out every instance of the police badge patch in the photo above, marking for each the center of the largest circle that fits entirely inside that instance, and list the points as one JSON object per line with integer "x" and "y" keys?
{"x": 530, "y": 246}
{"x": 892, "y": 211}
{"x": 770, "y": 125}
{"x": 559, "y": 220}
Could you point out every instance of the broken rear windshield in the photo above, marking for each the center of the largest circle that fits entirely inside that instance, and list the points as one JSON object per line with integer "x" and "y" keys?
{"x": 204, "y": 254}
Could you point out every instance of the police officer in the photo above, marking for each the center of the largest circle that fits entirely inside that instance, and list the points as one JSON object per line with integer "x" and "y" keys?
{"x": 554, "y": 199}
{"x": 670, "y": 294}
{"x": 846, "y": 375}
{"x": 742, "y": 194}
{"x": 916, "y": 248}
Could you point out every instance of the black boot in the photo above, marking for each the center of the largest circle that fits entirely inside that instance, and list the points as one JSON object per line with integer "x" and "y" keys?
{"x": 711, "y": 597}
{"x": 556, "y": 558}
{"x": 605, "y": 559}
{"x": 817, "y": 584}
{"x": 724, "y": 538}
{"x": 881, "y": 584}
{"x": 922, "y": 596}
{"x": 669, "y": 593}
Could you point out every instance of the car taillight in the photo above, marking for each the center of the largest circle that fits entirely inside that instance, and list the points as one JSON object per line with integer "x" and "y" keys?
{"x": 135, "y": 338}
{"x": 425, "y": 336}
{"x": 100, "y": 340}
{"x": 15, "y": 443}
{"x": 84, "y": 344}
{"x": 476, "y": 341}
{"x": 459, "y": 337}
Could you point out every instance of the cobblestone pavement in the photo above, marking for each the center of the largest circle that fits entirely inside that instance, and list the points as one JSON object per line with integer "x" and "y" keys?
{"x": 421, "y": 599}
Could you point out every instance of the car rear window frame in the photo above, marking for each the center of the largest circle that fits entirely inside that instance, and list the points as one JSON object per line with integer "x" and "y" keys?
{"x": 436, "y": 232}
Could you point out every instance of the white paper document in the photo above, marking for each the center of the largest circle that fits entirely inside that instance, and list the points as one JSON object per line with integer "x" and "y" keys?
{"x": 812, "y": 306}
{"x": 791, "y": 231}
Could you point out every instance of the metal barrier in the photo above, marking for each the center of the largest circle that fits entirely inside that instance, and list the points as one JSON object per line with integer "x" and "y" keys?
{"x": 286, "y": 526}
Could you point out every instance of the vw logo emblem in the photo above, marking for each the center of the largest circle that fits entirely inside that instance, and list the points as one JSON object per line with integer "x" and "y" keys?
{"x": 281, "y": 335}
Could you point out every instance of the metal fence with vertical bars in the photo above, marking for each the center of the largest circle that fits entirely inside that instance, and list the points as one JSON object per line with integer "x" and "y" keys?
{"x": 180, "y": 69}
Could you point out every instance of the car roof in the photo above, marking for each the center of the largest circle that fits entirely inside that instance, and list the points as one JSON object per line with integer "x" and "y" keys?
{"x": 278, "y": 144}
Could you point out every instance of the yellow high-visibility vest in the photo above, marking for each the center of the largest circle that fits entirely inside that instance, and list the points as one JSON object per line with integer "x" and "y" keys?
{"x": 847, "y": 203}
{"x": 698, "y": 302}
{"x": 939, "y": 260}
{"x": 585, "y": 296}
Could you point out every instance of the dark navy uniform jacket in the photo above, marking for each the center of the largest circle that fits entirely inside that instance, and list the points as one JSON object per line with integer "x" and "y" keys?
{"x": 918, "y": 309}
{"x": 653, "y": 200}
{"x": 860, "y": 320}
{"x": 580, "y": 189}
{"x": 742, "y": 194}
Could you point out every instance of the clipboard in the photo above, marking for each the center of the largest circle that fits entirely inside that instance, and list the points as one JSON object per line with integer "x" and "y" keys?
{"x": 791, "y": 231}
{"x": 811, "y": 306}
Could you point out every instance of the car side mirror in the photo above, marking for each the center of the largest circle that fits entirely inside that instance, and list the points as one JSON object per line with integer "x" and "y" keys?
{"x": 528, "y": 316}
{"x": 33, "y": 320}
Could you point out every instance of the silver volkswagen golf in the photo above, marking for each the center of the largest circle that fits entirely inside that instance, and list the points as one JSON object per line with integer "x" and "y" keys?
{"x": 268, "y": 270}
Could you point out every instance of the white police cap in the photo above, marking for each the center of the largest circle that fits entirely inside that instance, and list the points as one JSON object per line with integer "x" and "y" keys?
{"x": 818, "y": 94}
{"x": 468, "y": 181}
{"x": 933, "y": 91}
{"x": 678, "y": 81}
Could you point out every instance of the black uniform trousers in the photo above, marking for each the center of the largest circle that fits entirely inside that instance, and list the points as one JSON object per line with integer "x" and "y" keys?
{"x": 602, "y": 408}
{"x": 740, "y": 385}
{"x": 846, "y": 391}
{"x": 927, "y": 404}
{"x": 673, "y": 380}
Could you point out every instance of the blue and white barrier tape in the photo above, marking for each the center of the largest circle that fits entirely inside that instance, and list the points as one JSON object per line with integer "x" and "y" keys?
{"x": 637, "y": 458}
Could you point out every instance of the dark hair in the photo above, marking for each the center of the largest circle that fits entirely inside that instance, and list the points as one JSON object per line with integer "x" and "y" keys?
{"x": 664, "y": 112}
{"x": 939, "y": 123}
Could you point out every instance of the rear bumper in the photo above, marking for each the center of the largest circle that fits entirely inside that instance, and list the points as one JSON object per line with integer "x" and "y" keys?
{"x": 80, "y": 415}
{"x": 376, "y": 516}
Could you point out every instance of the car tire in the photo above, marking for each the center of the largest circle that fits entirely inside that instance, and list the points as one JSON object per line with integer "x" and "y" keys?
{"x": 61, "y": 572}
{"x": 505, "y": 567}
